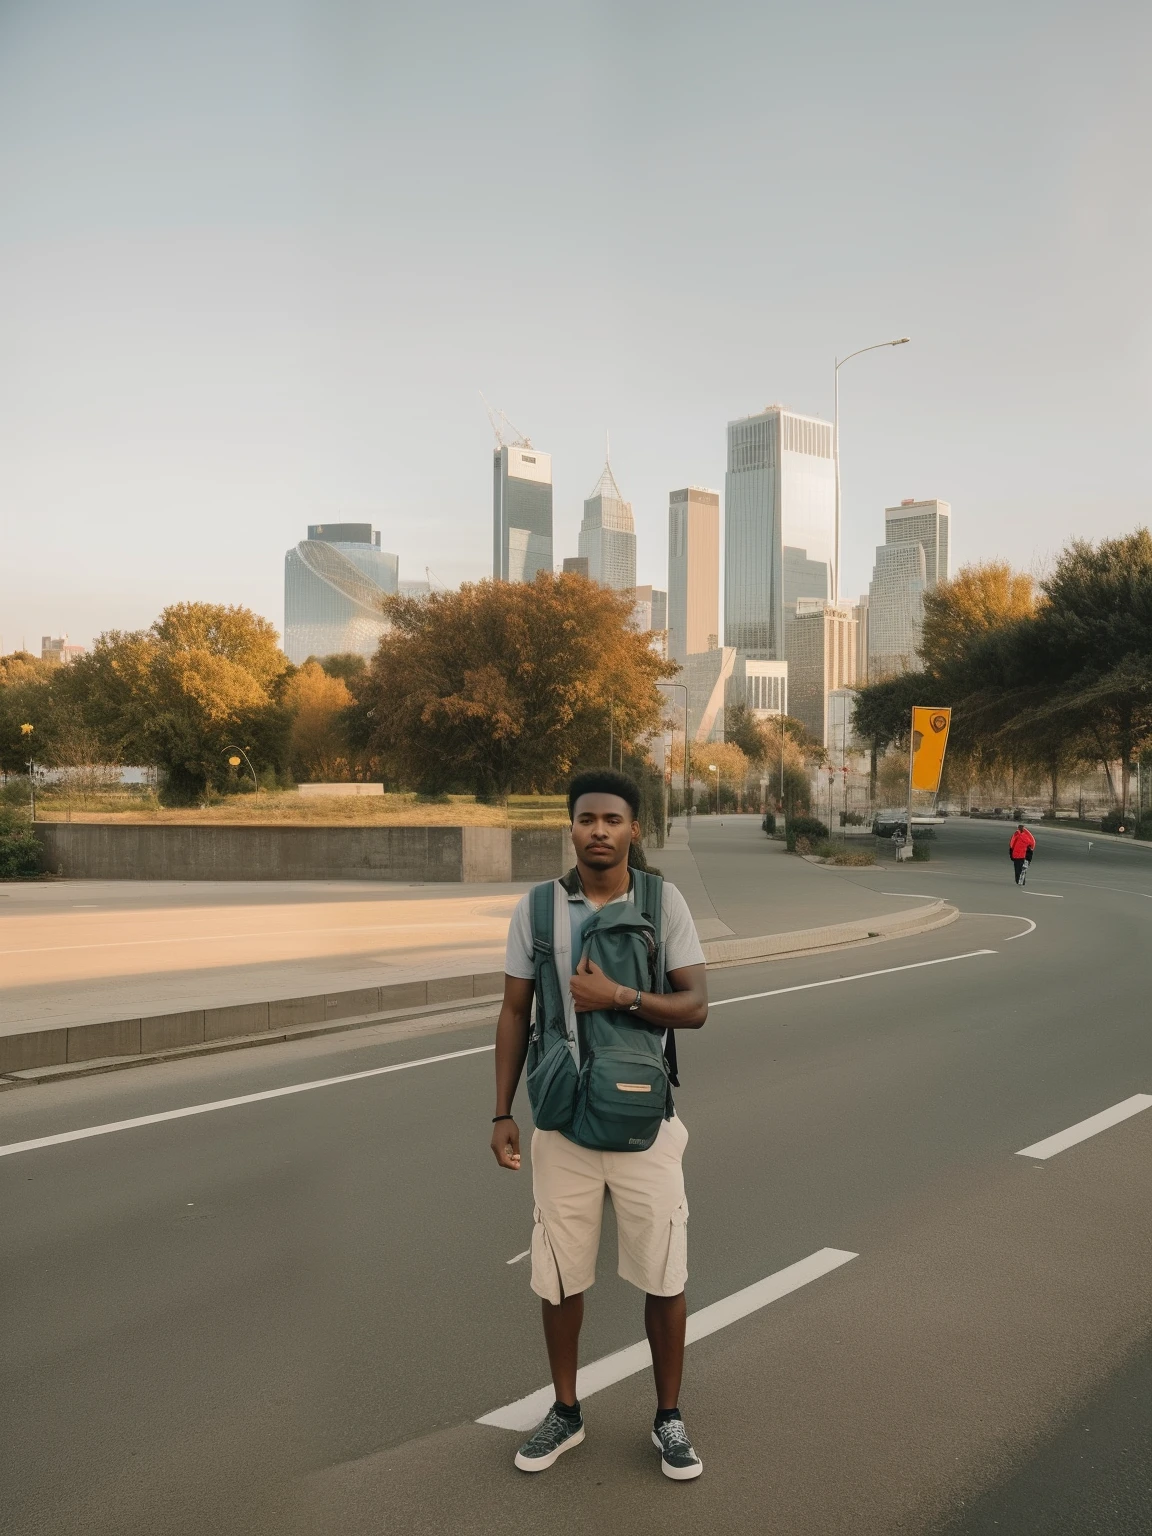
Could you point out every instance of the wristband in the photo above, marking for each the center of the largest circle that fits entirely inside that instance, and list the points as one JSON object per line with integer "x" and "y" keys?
{"x": 502, "y": 1117}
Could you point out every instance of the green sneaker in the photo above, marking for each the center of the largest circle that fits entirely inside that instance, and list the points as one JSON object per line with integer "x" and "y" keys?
{"x": 556, "y": 1435}
{"x": 677, "y": 1458}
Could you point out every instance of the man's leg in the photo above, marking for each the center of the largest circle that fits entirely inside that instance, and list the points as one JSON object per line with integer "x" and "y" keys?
{"x": 665, "y": 1320}
{"x": 562, "y": 1336}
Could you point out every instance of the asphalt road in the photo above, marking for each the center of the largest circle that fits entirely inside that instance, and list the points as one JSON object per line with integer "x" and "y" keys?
{"x": 286, "y": 1315}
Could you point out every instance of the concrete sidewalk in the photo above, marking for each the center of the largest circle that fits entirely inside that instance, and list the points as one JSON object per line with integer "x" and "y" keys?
{"x": 103, "y": 968}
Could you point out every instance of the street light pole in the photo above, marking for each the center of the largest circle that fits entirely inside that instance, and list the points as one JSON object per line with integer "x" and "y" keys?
{"x": 685, "y": 688}
{"x": 712, "y": 768}
{"x": 235, "y": 763}
{"x": 899, "y": 342}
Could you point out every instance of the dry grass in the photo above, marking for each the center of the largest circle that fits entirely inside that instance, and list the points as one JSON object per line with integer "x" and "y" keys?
{"x": 853, "y": 858}
{"x": 286, "y": 808}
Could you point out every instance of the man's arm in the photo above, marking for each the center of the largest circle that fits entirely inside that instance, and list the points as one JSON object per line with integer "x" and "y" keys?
{"x": 685, "y": 1007}
{"x": 511, "y": 1051}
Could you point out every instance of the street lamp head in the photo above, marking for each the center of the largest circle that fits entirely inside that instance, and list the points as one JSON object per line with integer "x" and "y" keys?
{"x": 711, "y": 767}
{"x": 900, "y": 341}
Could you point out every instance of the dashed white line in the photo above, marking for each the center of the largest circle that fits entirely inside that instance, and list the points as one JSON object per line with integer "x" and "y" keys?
{"x": 837, "y": 981}
{"x": 1042, "y": 895}
{"x": 526, "y": 1412}
{"x": 518, "y": 1257}
{"x": 1083, "y": 1129}
{"x": 244, "y": 1098}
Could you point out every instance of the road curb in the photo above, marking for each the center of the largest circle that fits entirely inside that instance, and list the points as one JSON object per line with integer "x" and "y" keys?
{"x": 463, "y": 1002}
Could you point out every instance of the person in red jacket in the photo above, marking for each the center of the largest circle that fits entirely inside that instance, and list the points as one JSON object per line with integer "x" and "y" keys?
{"x": 1021, "y": 848}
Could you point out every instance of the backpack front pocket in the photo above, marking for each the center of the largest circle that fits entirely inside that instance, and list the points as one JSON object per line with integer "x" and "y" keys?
{"x": 621, "y": 1100}
{"x": 552, "y": 1088}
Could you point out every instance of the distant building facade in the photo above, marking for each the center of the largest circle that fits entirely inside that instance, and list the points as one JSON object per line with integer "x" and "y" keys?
{"x": 780, "y": 526}
{"x": 608, "y": 535}
{"x": 333, "y": 583}
{"x": 56, "y": 648}
{"x": 706, "y": 675}
{"x": 521, "y": 513}
{"x": 822, "y": 658}
{"x": 650, "y": 612}
{"x": 576, "y": 565}
{"x": 693, "y": 571}
{"x": 915, "y": 555}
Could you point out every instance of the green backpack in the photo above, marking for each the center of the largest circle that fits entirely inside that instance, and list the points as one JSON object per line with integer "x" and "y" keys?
{"x": 617, "y": 1099}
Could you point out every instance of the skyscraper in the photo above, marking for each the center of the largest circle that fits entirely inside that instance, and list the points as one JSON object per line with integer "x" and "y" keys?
{"x": 608, "y": 535}
{"x": 780, "y": 526}
{"x": 693, "y": 571}
{"x": 650, "y": 612}
{"x": 521, "y": 512}
{"x": 821, "y": 658}
{"x": 915, "y": 556}
{"x": 333, "y": 582}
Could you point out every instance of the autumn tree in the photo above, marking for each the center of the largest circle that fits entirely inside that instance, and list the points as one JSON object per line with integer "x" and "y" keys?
{"x": 203, "y": 677}
{"x": 504, "y": 687}
{"x": 318, "y": 703}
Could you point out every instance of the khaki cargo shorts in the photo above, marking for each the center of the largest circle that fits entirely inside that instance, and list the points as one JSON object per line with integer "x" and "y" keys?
{"x": 569, "y": 1184}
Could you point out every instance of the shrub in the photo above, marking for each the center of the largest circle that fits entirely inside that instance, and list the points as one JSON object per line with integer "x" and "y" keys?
{"x": 1115, "y": 821}
{"x": 19, "y": 849}
{"x": 920, "y": 852}
{"x": 1143, "y": 828}
{"x": 836, "y": 853}
{"x": 769, "y": 824}
{"x": 806, "y": 827}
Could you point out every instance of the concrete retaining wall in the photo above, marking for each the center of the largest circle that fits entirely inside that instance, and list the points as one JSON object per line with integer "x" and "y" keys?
{"x": 106, "y": 851}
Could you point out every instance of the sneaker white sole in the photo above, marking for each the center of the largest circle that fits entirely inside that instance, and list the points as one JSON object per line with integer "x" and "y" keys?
{"x": 678, "y": 1474}
{"x": 542, "y": 1463}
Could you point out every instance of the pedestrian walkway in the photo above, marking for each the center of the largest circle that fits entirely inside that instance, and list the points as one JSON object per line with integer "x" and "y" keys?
{"x": 83, "y": 952}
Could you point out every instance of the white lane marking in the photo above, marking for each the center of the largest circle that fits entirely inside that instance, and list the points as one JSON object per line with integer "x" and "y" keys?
{"x": 1043, "y": 895}
{"x": 836, "y": 981}
{"x": 1089, "y": 885}
{"x": 519, "y": 1256}
{"x": 244, "y": 1098}
{"x": 1081, "y": 1131}
{"x": 921, "y": 895}
{"x": 1012, "y": 917}
{"x": 526, "y": 1412}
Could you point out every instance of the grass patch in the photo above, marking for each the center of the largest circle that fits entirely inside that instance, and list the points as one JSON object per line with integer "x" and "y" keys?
{"x": 287, "y": 808}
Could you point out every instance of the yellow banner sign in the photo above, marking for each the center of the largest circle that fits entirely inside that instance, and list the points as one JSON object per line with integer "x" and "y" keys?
{"x": 929, "y": 738}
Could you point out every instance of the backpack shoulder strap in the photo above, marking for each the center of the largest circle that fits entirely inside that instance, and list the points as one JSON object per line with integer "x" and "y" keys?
{"x": 542, "y": 907}
{"x": 649, "y": 892}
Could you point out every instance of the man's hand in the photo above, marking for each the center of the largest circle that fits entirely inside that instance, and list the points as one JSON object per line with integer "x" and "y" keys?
{"x": 592, "y": 989}
{"x": 506, "y": 1144}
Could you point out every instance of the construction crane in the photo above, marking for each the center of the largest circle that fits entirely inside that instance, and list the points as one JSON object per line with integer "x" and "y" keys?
{"x": 501, "y": 427}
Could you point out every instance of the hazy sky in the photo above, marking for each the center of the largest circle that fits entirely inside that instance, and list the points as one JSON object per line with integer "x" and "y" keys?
{"x": 257, "y": 259}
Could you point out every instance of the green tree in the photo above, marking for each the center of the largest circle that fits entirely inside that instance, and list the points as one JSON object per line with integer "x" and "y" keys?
{"x": 203, "y": 677}
{"x": 504, "y": 687}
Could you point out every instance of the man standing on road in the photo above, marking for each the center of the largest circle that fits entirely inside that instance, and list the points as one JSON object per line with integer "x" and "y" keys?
{"x": 1021, "y": 848}
{"x": 570, "y": 1176}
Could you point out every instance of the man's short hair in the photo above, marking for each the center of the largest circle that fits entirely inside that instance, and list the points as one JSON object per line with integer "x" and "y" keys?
{"x": 605, "y": 781}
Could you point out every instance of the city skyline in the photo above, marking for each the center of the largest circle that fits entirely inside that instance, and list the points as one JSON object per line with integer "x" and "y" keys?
{"x": 276, "y": 305}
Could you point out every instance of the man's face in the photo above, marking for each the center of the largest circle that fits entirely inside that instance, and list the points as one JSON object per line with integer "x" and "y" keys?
{"x": 602, "y": 829}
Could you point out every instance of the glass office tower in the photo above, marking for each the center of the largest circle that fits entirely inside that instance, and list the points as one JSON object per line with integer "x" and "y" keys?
{"x": 915, "y": 555}
{"x": 608, "y": 535}
{"x": 333, "y": 582}
{"x": 780, "y": 526}
{"x": 521, "y": 513}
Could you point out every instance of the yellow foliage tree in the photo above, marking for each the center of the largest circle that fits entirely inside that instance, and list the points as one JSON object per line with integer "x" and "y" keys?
{"x": 317, "y": 744}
